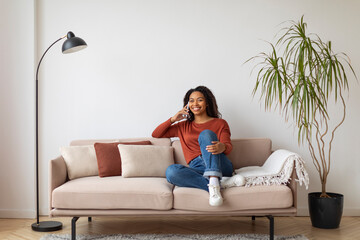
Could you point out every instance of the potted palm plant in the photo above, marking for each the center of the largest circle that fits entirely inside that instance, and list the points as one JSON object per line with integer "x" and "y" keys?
{"x": 302, "y": 76}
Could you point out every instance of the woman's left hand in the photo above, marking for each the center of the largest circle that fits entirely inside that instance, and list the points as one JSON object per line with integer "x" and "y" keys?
{"x": 216, "y": 148}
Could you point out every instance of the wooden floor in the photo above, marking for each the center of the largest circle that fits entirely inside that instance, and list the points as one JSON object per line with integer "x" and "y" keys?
{"x": 15, "y": 229}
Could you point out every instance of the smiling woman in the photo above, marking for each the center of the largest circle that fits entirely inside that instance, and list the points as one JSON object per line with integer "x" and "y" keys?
{"x": 204, "y": 98}
{"x": 205, "y": 140}
{"x": 197, "y": 104}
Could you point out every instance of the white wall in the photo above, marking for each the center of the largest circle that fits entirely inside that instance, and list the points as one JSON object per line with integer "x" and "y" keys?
{"x": 143, "y": 56}
{"x": 17, "y": 106}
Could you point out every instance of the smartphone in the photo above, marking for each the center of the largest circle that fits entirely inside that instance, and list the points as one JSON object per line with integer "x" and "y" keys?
{"x": 188, "y": 109}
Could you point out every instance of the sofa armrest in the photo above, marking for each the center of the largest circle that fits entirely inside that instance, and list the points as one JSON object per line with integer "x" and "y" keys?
{"x": 57, "y": 175}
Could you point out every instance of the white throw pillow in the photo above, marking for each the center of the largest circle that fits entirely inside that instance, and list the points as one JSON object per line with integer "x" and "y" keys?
{"x": 145, "y": 160}
{"x": 80, "y": 161}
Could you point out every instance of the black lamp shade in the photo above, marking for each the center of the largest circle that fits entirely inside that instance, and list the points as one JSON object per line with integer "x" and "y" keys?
{"x": 73, "y": 44}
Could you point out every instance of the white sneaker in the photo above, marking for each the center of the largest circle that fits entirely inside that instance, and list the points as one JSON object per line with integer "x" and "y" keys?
{"x": 215, "y": 198}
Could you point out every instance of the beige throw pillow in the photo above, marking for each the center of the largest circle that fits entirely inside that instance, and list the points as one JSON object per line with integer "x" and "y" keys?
{"x": 145, "y": 160}
{"x": 80, "y": 161}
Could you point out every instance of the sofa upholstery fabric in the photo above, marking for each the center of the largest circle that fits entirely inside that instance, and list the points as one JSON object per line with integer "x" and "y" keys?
{"x": 114, "y": 193}
{"x": 235, "y": 199}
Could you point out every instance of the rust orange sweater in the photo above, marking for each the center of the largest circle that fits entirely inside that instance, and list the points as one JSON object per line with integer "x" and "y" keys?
{"x": 188, "y": 132}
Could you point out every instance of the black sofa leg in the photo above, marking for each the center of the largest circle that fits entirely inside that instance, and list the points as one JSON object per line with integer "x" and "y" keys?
{"x": 271, "y": 218}
{"x": 89, "y": 219}
{"x": 73, "y": 228}
{"x": 253, "y": 218}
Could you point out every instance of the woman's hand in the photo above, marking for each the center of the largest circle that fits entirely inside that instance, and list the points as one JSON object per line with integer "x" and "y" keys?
{"x": 180, "y": 115}
{"x": 216, "y": 148}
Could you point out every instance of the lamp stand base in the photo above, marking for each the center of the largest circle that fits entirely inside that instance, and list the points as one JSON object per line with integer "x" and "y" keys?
{"x": 46, "y": 226}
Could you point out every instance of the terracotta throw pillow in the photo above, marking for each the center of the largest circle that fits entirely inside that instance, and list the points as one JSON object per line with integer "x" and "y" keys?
{"x": 108, "y": 157}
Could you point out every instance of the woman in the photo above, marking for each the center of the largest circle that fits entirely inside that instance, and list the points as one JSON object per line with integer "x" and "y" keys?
{"x": 205, "y": 140}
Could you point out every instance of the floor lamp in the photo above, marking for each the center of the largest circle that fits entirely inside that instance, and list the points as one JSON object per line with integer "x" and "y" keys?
{"x": 71, "y": 44}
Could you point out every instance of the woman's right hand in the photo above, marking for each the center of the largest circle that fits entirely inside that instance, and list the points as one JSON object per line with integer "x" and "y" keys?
{"x": 180, "y": 115}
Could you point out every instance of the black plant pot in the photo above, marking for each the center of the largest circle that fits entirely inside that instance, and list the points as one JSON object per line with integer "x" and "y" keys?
{"x": 325, "y": 212}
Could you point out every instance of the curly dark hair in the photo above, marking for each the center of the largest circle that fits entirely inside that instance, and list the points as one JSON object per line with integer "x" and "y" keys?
{"x": 212, "y": 107}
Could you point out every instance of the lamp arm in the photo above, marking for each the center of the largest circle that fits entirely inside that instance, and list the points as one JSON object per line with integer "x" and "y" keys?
{"x": 37, "y": 131}
{"x": 37, "y": 70}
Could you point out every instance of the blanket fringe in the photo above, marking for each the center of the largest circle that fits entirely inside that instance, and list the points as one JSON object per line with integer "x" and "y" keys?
{"x": 284, "y": 176}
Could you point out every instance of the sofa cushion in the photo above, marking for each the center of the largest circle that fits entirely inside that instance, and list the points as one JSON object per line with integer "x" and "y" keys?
{"x": 114, "y": 193}
{"x": 236, "y": 198}
{"x": 80, "y": 161}
{"x": 145, "y": 161}
{"x": 108, "y": 157}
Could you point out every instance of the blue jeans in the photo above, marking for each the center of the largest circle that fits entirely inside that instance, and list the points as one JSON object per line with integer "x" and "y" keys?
{"x": 201, "y": 167}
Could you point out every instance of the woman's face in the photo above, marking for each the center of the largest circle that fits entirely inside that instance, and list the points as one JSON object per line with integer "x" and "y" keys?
{"x": 197, "y": 103}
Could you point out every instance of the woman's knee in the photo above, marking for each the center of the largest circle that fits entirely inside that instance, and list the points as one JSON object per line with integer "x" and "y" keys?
{"x": 172, "y": 172}
{"x": 208, "y": 135}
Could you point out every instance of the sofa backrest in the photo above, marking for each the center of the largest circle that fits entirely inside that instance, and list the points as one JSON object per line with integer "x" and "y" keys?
{"x": 154, "y": 141}
{"x": 246, "y": 152}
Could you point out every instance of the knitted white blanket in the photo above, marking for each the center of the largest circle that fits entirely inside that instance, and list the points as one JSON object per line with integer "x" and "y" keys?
{"x": 276, "y": 170}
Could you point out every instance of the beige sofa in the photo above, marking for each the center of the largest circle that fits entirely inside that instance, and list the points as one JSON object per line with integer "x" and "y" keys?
{"x": 142, "y": 196}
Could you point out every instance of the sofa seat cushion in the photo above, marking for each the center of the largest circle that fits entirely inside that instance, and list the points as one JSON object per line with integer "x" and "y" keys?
{"x": 114, "y": 193}
{"x": 235, "y": 198}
